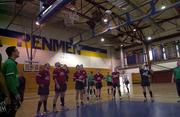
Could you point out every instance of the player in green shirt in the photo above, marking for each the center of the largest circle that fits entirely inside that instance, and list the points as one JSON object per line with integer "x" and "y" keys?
{"x": 4, "y": 94}
{"x": 108, "y": 79}
{"x": 91, "y": 84}
{"x": 176, "y": 77}
{"x": 10, "y": 73}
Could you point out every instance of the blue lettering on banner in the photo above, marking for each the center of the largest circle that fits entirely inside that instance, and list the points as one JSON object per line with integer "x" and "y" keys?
{"x": 47, "y": 43}
{"x": 52, "y": 45}
{"x": 38, "y": 42}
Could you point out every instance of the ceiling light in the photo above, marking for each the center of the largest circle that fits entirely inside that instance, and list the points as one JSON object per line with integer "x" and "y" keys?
{"x": 37, "y": 23}
{"x": 134, "y": 30}
{"x": 72, "y": 8}
{"x": 163, "y": 7}
{"x": 149, "y": 38}
{"x": 44, "y": 12}
{"x": 121, "y": 45}
{"x": 108, "y": 12}
{"x": 105, "y": 20}
{"x": 102, "y": 39}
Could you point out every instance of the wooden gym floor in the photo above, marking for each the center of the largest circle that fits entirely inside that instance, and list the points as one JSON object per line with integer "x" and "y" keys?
{"x": 163, "y": 93}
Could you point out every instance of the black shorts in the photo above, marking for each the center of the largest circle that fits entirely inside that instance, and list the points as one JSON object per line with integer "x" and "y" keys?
{"x": 91, "y": 83}
{"x": 85, "y": 84}
{"x": 43, "y": 90}
{"x": 63, "y": 88}
{"x": 109, "y": 83}
{"x": 79, "y": 85}
{"x": 126, "y": 82}
{"x": 145, "y": 84}
{"x": 98, "y": 85}
{"x": 116, "y": 85}
{"x": 178, "y": 86}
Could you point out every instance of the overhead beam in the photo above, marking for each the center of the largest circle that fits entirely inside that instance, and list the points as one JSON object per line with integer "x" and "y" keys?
{"x": 156, "y": 40}
{"x": 103, "y": 8}
{"x": 80, "y": 14}
{"x": 114, "y": 14}
{"x": 162, "y": 21}
{"x": 151, "y": 20}
{"x": 94, "y": 6}
{"x": 18, "y": 12}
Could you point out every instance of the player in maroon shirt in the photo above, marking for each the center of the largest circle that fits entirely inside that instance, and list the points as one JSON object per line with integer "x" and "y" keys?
{"x": 98, "y": 79}
{"x": 116, "y": 82}
{"x": 79, "y": 85}
{"x": 59, "y": 76}
{"x": 65, "y": 67}
{"x": 43, "y": 80}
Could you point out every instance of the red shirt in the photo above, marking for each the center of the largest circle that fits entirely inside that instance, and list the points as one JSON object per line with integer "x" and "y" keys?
{"x": 59, "y": 75}
{"x": 43, "y": 77}
{"x": 78, "y": 76}
{"x": 84, "y": 74}
{"x": 98, "y": 78}
{"x": 115, "y": 77}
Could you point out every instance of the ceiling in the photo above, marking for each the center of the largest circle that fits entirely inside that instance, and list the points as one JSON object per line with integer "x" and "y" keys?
{"x": 128, "y": 20}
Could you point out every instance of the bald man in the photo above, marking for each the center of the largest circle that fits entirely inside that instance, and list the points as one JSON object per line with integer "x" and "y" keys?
{"x": 176, "y": 77}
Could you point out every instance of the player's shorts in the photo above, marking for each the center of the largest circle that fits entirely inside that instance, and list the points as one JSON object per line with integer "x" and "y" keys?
{"x": 116, "y": 85}
{"x": 79, "y": 85}
{"x": 109, "y": 83}
{"x": 43, "y": 90}
{"x": 63, "y": 88}
{"x": 91, "y": 83}
{"x": 98, "y": 85}
{"x": 145, "y": 84}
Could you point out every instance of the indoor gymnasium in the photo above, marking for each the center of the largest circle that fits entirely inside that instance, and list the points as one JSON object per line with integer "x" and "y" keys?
{"x": 89, "y": 58}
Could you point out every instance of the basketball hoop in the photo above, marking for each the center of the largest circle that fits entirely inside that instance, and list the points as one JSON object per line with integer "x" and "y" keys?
{"x": 31, "y": 66}
{"x": 70, "y": 17}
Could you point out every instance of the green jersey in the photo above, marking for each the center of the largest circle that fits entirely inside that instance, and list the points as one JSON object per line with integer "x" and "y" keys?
{"x": 0, "y": 62}
{"x": 109, "y": 78}
{"x": 176, "y": 72}
{"x": 10, "y": 73}
{"x": 90, "y": 78}
{"x": 1, "y": 94}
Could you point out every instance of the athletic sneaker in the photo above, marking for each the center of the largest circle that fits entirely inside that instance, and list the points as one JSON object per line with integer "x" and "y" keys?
{"x": 46, "y": 111}
{"x": 82, "y": 103}
{"x": 54, "y": 109}
{"x": 145, "y": 100}
{"x": 87, "y": 102}
{"x": 77, "y": 105}
{"x": 152, "y": 100}
{"x": 38, "y": 113}
{"x": 178, "y": 101}
{"x": 113, "y": 98}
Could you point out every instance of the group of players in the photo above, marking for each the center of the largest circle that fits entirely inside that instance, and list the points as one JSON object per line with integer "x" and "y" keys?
{"x": 85, "y": 84}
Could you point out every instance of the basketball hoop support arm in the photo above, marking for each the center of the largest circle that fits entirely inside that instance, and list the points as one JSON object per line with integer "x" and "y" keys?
{"x": 46, "y": 13}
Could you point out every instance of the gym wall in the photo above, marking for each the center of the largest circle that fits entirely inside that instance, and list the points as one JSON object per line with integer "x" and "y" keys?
{"x": 162, "y": 72}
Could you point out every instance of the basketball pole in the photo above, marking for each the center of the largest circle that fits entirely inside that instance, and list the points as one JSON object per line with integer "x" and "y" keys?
{"x": 31, "y": 49}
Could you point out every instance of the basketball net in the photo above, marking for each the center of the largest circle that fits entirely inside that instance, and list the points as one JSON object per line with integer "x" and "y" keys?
{"x": 69, "y": 16}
